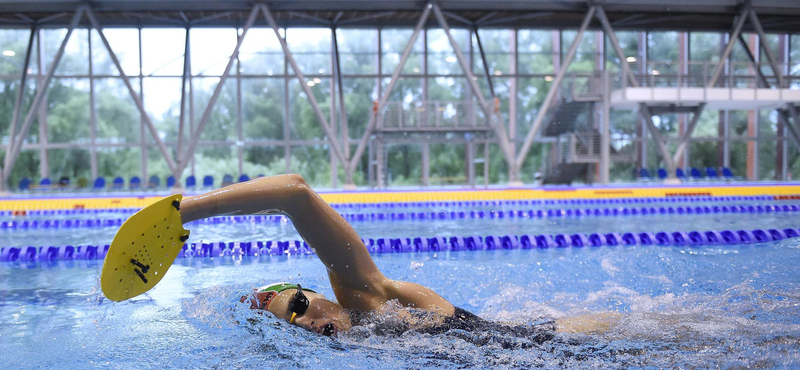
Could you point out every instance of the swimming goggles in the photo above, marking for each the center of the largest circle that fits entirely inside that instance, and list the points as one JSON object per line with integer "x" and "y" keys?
{"x": 298, "y": 305}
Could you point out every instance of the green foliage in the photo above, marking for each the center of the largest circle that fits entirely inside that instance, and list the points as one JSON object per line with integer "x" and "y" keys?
{"x": 121, "y": 139}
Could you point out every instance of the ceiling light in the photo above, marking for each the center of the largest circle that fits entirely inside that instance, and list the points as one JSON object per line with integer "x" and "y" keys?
{"x": 9, "y": 53}
{"x": 630, "y": 59}
{"x": 416, "y": 70}
{"x": 450, "y": 59}
{"x": 317, "y": 81}
{"x": 655, "y": 72}
{"x": 498, "y": 73}
{"x": 310, "y": 83}
{"x": 548, "y": 78}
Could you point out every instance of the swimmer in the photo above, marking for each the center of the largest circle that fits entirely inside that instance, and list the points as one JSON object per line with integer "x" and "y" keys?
{"x": 360, "y": 287}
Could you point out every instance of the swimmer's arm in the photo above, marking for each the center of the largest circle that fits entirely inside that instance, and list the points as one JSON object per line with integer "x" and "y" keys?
{"x": 356, "y": 280}
{"x": 596, "y": 323}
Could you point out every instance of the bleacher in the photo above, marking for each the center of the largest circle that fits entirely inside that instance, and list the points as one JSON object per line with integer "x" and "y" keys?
{"x": 695, "y": 174}
{"x": 119, "y": 183}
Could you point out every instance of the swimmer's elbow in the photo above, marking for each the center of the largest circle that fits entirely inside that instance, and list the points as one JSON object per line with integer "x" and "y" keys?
{"x": 296, "y": 179}
{"x": 296, "y": 187}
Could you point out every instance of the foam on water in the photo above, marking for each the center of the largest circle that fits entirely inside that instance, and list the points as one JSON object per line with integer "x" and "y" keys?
{"x": 671, "y": 307}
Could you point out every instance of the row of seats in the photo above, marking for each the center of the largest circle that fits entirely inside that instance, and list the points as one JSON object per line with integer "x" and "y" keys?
{"x": 135, "y": 183}
{"x": 694, "y": 174}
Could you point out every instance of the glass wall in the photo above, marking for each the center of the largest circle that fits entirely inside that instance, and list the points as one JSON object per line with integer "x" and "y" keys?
{"x": 262, "y": 122}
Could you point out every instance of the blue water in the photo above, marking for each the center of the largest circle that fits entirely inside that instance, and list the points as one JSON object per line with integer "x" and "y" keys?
{"x": 243, "y": 232}
{"x": 679, "y": 307}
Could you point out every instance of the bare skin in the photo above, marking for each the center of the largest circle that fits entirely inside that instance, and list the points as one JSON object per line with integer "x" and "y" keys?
{"x": 356, "y": 281}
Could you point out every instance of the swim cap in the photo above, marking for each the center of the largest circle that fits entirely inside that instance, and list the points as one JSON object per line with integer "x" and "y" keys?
{"x": 272, "y": 290}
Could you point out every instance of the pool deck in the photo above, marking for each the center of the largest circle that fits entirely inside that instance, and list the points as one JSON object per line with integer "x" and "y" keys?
{"x": 65, "y": 200}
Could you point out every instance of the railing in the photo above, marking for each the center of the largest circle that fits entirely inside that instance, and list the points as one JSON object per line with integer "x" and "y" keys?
{"x": 585, "y": 147}
{"x": 431, "y": 116}
{"x": 700, "y": 74}
{"x": 579, "y": 85}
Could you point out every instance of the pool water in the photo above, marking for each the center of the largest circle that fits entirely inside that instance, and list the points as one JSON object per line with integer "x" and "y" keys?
{"x": 679, "y": 307}
{"x": 283, "y": 230}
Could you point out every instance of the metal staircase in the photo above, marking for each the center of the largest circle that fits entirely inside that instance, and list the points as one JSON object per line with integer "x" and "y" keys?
{"x": 577, "y": 139}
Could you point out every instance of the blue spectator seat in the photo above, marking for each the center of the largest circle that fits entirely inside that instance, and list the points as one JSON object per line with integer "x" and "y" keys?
{"x": 260, "y": 175}
{"x": 25, "y": 183}
{"x": 208, "y": 181}
{"x": 63, "y": 182}
{"x": 711, "y": 172}
{"x": 680, "y": 174}
{"x": 45, "y": 184}
{"x": 191, "y": 182}
{"x": 136, "y": 183}
{"x": 154, "y": 182}
{"x": 662, "y": 173}
{"x": 696, "y": 174}
{"x": 170, "y": 182}
{"x": 644, "y": 174}
{"x": 227, "y": 180}
{"x": 118, "y": 183}
{"x": 99, "y": 183}
{"x": 244, "y": 178}
{"x": 727, "y": 174}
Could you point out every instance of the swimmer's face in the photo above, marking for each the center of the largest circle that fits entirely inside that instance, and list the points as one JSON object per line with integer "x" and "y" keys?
{"x": 322, "y": 315}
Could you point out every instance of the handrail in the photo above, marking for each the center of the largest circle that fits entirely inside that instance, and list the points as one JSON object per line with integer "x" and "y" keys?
{"x": 698, "y": 74}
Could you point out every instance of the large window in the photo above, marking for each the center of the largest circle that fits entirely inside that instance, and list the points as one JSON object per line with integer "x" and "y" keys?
{"x": 262, "y": 122}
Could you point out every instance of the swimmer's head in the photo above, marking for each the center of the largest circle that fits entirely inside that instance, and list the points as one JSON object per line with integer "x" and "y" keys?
{"x": 301, "y": 307}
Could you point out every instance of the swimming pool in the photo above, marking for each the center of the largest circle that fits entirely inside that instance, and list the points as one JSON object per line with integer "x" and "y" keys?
{"x": 707, "y": 306}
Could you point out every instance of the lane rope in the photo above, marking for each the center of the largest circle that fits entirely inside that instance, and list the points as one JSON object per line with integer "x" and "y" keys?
{"x": 419, "y": 244}
{"x": 423, "y": 216}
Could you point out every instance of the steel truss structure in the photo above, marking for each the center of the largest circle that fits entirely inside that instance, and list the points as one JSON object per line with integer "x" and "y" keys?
{"x": 335, "y": 14}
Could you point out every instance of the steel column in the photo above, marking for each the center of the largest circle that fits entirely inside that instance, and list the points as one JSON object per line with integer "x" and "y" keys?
{"x": 145, "y": 150}
{"x": 385, "y": 97}
{"x": 239, "y": 110}
{"x": 184, "y": 159}
{"x": 731, "y": 41}
{"x": 334, "y": 142}
{"x": 548, "y": 100}
{"x": 153, "y": 130}
{"x": 191, "y": 111}
{"x": 498, "y": 127}
{"x": 662, "y": 147}
{"x": 92, "y": 112}
{"x": 767, "y": 50}
{"x": 605, "y": 131}
{"x": 485, "y": 62}
{"x": 753, "y": 61}
{"x": 184, "y": 78}
{"x": 343, "y": 124}
{"x": 684, "y": 141}
{"x": 18, "y": 102}
{"x": 41, "y": 93}
{"x": 782, "y": 113}
{"x": 795, "y": 112}
{"x": 629, "y": 76}
{"x": 44, "y": 160}
{"x": 332, "y": 113}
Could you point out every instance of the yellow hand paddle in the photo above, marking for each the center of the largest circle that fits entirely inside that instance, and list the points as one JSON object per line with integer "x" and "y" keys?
{"x": 143, "y": 250}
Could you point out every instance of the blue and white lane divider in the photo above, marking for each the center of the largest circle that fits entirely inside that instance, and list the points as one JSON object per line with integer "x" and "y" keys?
{"x": 448, "y": 204}
{"x": 423, "y": 216}
{"x": 423, "y": 244}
